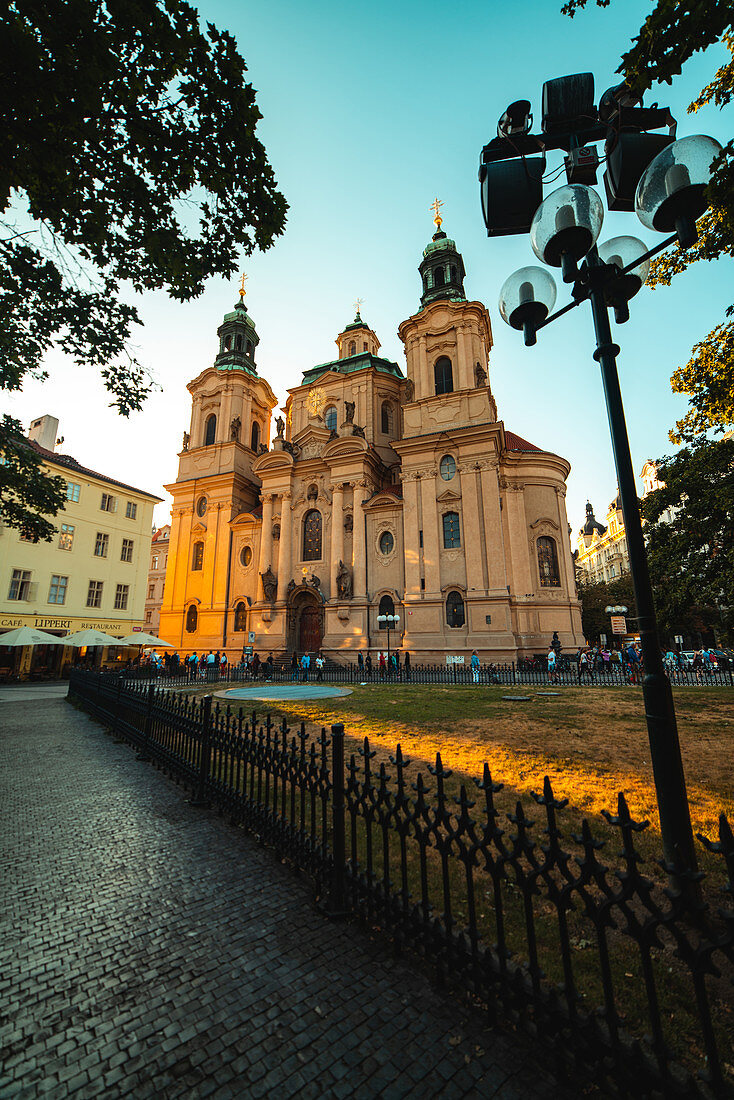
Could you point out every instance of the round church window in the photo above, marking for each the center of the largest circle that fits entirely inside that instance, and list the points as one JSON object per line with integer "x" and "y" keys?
{"x": 201, "y": 506}
{"x": 447, "y": 467}
{"x": 246, "y": 555}
{"x": 386, "y": 542}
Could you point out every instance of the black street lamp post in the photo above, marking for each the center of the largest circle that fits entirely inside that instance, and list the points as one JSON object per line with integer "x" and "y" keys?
{"x": 564, "y": 232}
{"x": 388, "y": 621}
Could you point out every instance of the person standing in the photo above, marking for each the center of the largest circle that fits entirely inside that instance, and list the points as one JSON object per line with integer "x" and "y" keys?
{"x": 360, "y": 665}
{"x": 319, "y": 668}
{"x": 552, "y": 676}
{"x": 382, "y": 665}
{"x": 268, "y": 668}
{"x": 585, "y": 665}
{"x": 294, "y": 667}
{"x": 223, "y": 666}
{"x": 305, "y": 665}
{"x": 406, "y": 666}
{"x": 368, "y": 666}
{"x": 474, "y": 663}
{"x": 255, "y": 665}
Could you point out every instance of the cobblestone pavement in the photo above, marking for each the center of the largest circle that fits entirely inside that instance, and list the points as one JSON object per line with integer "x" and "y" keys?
{"x": 147, "y": 949}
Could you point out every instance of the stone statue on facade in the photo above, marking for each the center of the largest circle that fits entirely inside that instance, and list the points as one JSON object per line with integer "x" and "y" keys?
{"x": 262, "y": 448}
{"x": 279, "y": 426}
{"x": 409, "y": 390}
{"x": 356, "y": 430}
{"x": 234, "y": 429}
{"x": 480, "y": 375}
{"x": 343, "y": 582}
{"x": 186, "y": 441}
{"x": 276, "y": 531}
{"x": 312, "y": 493}
{"x": 348, "y": 522}
{"x": 314, "y": 581}
{"x": 291, "y": 586}
{"x": 349, "y": 414}
{"x": 270, "y": 584}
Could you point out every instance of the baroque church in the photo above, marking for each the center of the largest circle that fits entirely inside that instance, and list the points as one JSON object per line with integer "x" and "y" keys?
{"x": 379, "y": 493}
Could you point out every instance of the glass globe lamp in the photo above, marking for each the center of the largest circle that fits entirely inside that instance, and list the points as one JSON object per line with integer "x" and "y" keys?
{"x": 566, "y": 225}
{"x": 526, "y": 298}
{"x": 622, "y": 251}
{"x": 670, "y": 194}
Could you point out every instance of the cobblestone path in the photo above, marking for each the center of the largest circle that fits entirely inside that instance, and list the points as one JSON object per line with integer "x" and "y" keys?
{"x": 149, "y": 950}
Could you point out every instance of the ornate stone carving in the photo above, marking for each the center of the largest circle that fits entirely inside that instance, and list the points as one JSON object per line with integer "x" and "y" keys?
{"x": 349, "y": 412}
{"x": 480, "y": 375}
{"x": 279, "y": 426}
{"x": 312, "y": 492}
{"x": 349, "y": 522}
{"x": 343, "y": 582}
{"x": 234, "y": 429}
{"x": 409, "y": 390}
{"x": 276, "y": 531}
{"x": 262, "y": 449}
{"x": 290, "y": 589}
{"x": 186, "y": 441}
{"x": 356, "y": 430}
{"x": 270, "y": 584}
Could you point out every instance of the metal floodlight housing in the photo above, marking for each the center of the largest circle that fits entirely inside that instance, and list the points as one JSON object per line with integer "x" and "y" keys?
{"x": 628, "y": 155}
{"x": 526, "y": 298}
{"x": 568, "y": 103}
{"x": 613, "y": 98}
{"x": 511, "y": 191}
{"x": 670, "y": 194}
{"x": 517, "y": 119}
{"x": 566, "y": 225}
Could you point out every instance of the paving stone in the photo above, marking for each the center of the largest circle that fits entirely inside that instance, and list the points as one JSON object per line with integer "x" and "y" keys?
{"x": 152, "y": 950}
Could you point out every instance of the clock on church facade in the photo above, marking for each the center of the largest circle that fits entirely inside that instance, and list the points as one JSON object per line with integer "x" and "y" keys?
{"x": 382, "y": 491}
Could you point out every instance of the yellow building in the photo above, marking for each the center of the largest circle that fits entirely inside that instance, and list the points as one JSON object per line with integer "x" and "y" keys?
{"x": 381, "y": 492}
{"x": 156, "y": 578}
{"x": 602, "y": 549}
{"x": 94, "y": 571}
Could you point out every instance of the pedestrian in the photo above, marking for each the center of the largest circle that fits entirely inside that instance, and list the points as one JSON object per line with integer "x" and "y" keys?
{"x": 552, "y": 676}
{"x": 382, "y": 665}
{"x": 360, "y": 665}
{"x": 474, "y": 663}
{"x": 223, "y": 666}
{"x": 406, "y": 666}
{"x": 585, "y": 665}
{"x": 305, "y": 665}
{"x": 268, "y": 668}
{"x": 319, "y": 668}
{"x": 255, "y": 665}
{"x": 294, "y": 667}
{"x": 368, "y": 666}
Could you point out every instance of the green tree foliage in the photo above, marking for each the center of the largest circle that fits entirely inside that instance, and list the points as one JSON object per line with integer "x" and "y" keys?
{"x": 595, "y": 597}
{"x": 692, "y": 559}
{"x": 28, "y": 495}
{"x": 130, "y": 158}
{"x": 671, "y": 34}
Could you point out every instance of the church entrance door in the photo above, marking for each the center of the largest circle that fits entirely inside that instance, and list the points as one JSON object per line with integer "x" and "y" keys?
{"x": 309, "y": 633}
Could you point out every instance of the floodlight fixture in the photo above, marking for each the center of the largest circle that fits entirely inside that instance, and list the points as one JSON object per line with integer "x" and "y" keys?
{"x": 517, "y": 119}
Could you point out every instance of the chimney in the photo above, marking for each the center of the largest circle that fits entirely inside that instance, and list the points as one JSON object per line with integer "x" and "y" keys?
{"x": 44, "y": 432}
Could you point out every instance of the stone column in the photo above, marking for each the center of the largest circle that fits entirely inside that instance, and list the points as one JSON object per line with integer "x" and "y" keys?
{"x": 284, "y": 560}
{"x": 471, "y": 535}
{"x": 266, "y": 539}
{"x": 431, "y": 543}
{"x": 522, "y": 575}
{"x": 427, "y": 385}
{"x": 225, "y": 414}
{"x": 359, "y": 549}
{"x": 196, "y": 429}
{"x": 410, "y": 536}
{"x": 337, "y": 535}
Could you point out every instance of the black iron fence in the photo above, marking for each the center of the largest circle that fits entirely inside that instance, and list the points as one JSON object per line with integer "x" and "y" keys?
{"x": 625, "y": 981}
{"x": 507, "y": 675}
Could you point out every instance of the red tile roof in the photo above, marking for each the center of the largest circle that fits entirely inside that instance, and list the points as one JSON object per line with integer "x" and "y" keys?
{"x": 517, "y": 443}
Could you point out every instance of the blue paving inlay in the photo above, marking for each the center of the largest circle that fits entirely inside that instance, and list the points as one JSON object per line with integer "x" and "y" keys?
{"x": 276, "y": 692}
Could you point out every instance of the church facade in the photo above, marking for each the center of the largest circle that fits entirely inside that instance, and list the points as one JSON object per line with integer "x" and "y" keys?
{"x": 379, "y": 493}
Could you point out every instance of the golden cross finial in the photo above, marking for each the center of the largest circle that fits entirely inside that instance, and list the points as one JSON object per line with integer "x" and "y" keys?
{"x": 242, "y": 286}
{"x": 358, "y": 305}
{"x": 435, "y": 207}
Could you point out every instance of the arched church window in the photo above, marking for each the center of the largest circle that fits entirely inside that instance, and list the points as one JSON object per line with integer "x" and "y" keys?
{"x": 438, "y": 276}
{"x": 548, "y": 563}
{"x": 330, "y": 418}
{"x": 226, "y": 343}
{"x": 451, "y": 530}
{"x": 453, "y": 274}
{"x": 364, "y": 346}
{"x": 387, "y": 607}
{"x": 240, "y": 617}
{"x": 387, "y": 418}
{"x": 248, "y": 348}
{"x": 255, "y": 435}
{"x": 238, "y": 343}
{"x": 352, "y": 348}
{"x": 197, "y": 557}
{"x": 192, "y": 618}
{"x": 312, "y": 535}
{"x": 447, "y": 467}
{"x": 455, "y": 615}
{"x": 443, "y": 375}
{"x": 210, "y": 430}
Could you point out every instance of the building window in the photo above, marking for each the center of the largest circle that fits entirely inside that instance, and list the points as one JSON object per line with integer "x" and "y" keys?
{"x": 210, "y": 430}
{"x": 148, "y": 616}
{"x": 238, "y": 342}
{"x": 312, "y": 536}
{"x": 454, "y": 609}
{"x": 121, "y": 594}
{"x": 438, "y": 276}
{"x": 255, "y": 436}
{"x": 109, "y": 503}
{"x": 192, "y": 618}
{"x": 226, "y": 342}
{"x": 387, "y": 418}
{"x": 27, "y": 536}
{"x": 387, "y": 542}
{"x": 330, "y": 418}
{"x": 454, "y": 279}
{"x": 94, "y": 594}
{"x": 387, "y": 607}
{"x": 246, "y": 555}
{"x": 131, "y": 509}
{"x": 20, "y": 584}
{"x": 443, "y": 375}
{"x": 240, "y": 617}
{"x": 451, "y": 532}
{"x": 548, "y": 563}
{"x": 447, "y": 467}
{"x": 127, "y": 550}
{"x": 154, "y": 562}
{"x": 101, "y": 544}
{"x": 197, "y": 560}
{"x": 201, "y": 506}
{"x": 352, "y": 348}
{"x": 66, "y": 536}
{"x": 151, "y": 591}
{"x": 72, "y": 491}
{"x": 57, "y": 591}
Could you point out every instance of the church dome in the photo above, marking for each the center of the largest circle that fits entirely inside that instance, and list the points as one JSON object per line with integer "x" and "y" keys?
{"x": 237, "y": 340}
{"x": 592, "y": 524}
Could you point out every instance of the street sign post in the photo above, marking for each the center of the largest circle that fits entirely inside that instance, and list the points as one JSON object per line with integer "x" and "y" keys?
{"x": 619, "y": 624}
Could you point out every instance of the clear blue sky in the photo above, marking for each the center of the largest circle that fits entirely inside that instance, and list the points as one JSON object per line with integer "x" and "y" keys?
{"x": 369, "y": 112}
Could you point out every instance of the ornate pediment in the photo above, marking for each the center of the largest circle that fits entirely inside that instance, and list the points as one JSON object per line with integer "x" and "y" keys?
{"x": 545, "y": 521}
{"x": 448, "y": 496}
{"x": 198, "y": 528}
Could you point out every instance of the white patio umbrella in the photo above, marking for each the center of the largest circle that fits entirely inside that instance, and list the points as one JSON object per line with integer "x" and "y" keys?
{"x": 143, "y": 639}
{"x": 26, "y": 635}
{"x": 89, "y": 638}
